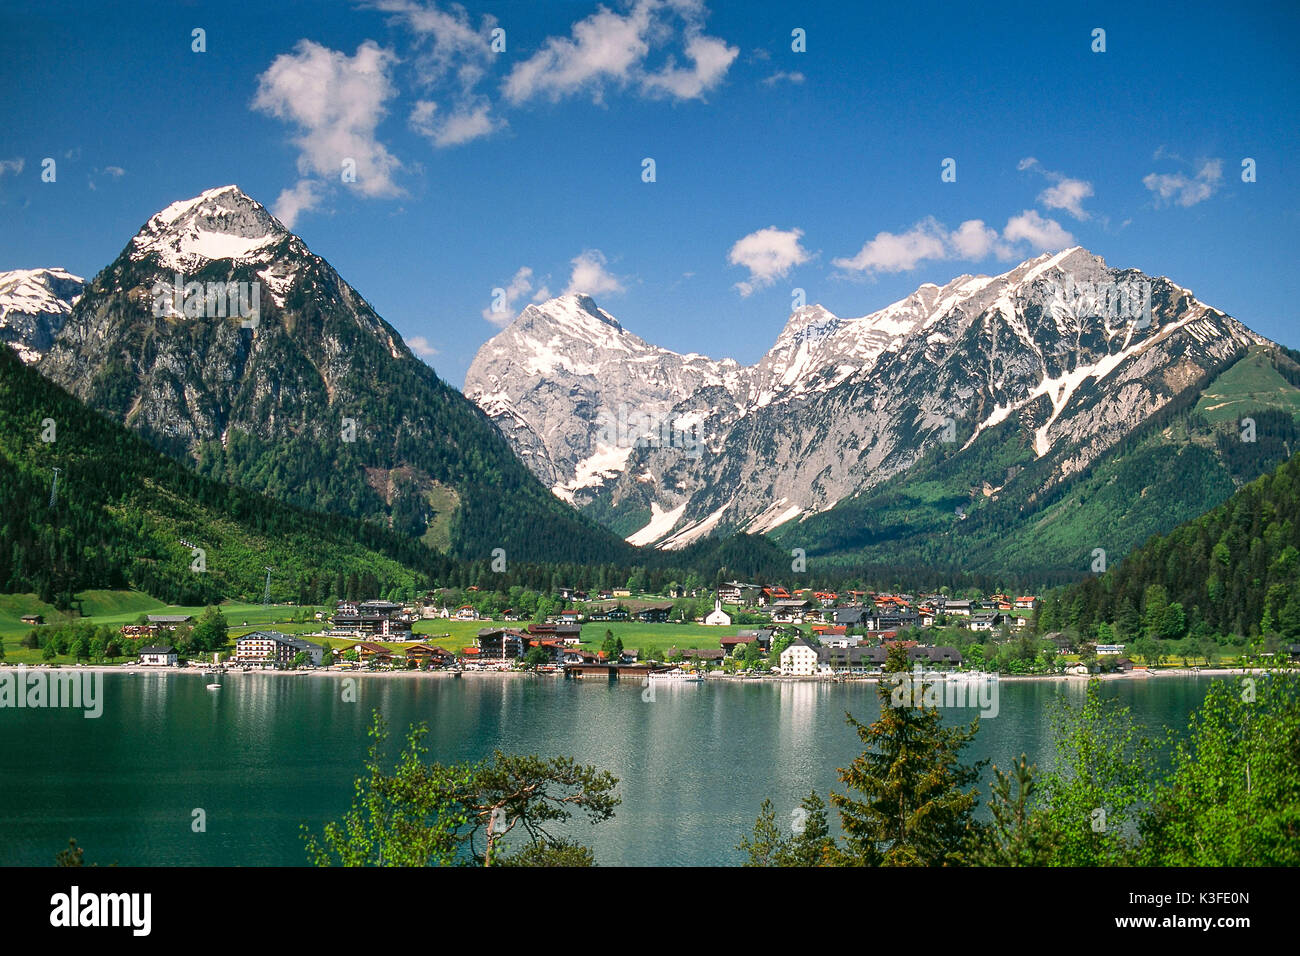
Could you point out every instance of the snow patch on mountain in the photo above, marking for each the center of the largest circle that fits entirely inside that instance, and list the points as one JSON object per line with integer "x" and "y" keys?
{"x": 34, "y": 303}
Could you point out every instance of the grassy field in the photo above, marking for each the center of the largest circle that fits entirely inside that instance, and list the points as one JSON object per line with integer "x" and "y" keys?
{"x": 1252, "y": 383}
{"x": 123, "y": 607}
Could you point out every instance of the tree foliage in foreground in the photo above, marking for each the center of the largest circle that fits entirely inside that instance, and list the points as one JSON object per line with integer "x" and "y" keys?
{"x": 430, "y": 814}
{"x": 1229, "y": 795}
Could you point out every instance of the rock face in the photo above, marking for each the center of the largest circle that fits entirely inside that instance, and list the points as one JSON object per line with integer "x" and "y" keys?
{"x": 221, "y": 338}
{"x": 1077, "y": 353}
{"x": 34, "y": 303}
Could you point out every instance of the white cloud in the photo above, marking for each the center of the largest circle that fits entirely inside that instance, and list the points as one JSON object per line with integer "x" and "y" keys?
{"x": 973, "y": 240}
{"x": 449, "y": 45}
{"x": 520, "y": 285}
{"x": 781, "y": 76}
{"x": 451, "y": 57}
{"x": 303, "y": 196}
{"x": 769, "y": 254}
{"x": 1064, "y": 193}
{"x": 1045, "y": 235}
{"x": 898, "y": 252}
{"x": 117, "y": 172}
{"x": 421, "y": 346}
{"x": 591, "y": 277}
{"x": 712, "y": 58}
{"x": 335, "y": 101}
{"x": 466, "y": 123}
{"x": 14, "y": 165}
{"x": 610, "y": 49}
{"x": 1184, "y": 190}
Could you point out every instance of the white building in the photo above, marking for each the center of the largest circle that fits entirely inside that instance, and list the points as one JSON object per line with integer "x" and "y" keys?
{"x": 799, "y": 660}
{"x": 718, "y": 616}
{"x": 158, "y": 656}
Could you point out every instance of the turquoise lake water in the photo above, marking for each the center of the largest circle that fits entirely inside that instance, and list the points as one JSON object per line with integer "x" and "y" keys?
{"x": 266, "y": 753}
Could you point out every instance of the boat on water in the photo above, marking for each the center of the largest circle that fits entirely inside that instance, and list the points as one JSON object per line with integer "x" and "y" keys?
{"x": 214, "y": 686}
{"x": 966, "y": 676}
{"x": 678, "y": 676}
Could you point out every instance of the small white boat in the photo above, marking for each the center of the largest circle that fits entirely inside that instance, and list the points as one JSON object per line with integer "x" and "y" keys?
{"x": 213, "y": 686}
{"x": 678, "y": 676}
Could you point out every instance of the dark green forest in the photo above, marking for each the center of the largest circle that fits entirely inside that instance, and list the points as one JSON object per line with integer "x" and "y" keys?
{"x": 1233, "y": 571}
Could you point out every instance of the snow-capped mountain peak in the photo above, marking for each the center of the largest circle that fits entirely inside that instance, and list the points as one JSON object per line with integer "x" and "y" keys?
{"x": 222, "y": 223}
{"x": 33, "y": 306}
{"x": 1077, "y": 353}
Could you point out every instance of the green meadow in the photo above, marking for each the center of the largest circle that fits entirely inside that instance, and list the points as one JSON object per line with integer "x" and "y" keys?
{"x": 123, "y": 607}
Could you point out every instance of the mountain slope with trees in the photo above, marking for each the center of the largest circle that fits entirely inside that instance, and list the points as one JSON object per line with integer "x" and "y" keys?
{"x": 1233, "y": 571}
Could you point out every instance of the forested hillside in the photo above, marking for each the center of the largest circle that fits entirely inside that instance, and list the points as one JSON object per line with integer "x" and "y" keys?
{"x": 1233, "y": 571}
{"x": 122, "y": 511}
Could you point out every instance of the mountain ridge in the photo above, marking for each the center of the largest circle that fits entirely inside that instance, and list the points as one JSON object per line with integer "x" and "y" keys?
{"x": 1074, "y": 351}
{"x": 221, "y": 338}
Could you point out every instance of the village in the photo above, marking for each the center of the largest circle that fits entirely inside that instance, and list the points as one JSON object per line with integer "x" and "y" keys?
{"x": 762, "y": 630}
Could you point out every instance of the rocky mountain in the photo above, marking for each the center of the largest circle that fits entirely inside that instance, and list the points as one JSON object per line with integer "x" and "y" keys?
{"x": 1056, "y": 362}
{"x": 223, "y": 340}
{"x": 34, "y": 303}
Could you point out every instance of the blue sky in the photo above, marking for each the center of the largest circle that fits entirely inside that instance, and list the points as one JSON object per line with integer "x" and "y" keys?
{"x": 774, "y": 169}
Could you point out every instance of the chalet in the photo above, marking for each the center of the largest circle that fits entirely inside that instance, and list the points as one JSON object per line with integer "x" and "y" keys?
{"x": 831, "y": 630}
{"x": 737, "y": 592}
{"x": 958, "y": 608}
{"x": 573, "y": 655}
{"x": 169, "y": 622}
{"x": 852, "y": 616}
{"x": 853, "y": 660}
{"x": 826, "y": 597}
{"x": 1105, "y": 650}
{"x": 158, "y": 656}
{"x": 789, "y": 611}
{"x": 33, "y": 619}
{"x": 934, "y": 655}
{"x": 500, "y": 643}
{"x": 698, "y": 654}
{"x": 926, "y": 615}
{"x": 567, "y": 632}
{"x": 799, "y": 659}
{"x": 466, "y": 612}
{"x": 272, "y": 647}
{"x": 621, "y": 593}
{"x": 768, "y": 596}
{"x": 654, "y": 613}
{"x": 1062, "y": 641}
{"x": 985, "y": 620}
{"x": 894, "y": 616}
{"x": 628, "y": 655}
{"x": 763, "y": 635}
{"x": 1026, "y": 603}
{"x": 570, "y": 617}
{"x": 427, "y": 655}
{"x": 607, "y": 612}
{"x": 369, "y": 652}
{"x": 718, "y": 617}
